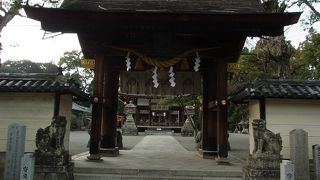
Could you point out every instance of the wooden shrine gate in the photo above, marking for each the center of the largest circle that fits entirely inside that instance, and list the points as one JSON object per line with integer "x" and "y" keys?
{"x": 162, "y": 34}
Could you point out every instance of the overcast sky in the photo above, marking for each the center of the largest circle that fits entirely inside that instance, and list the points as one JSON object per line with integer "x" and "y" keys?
{"x": 22, "y": 39}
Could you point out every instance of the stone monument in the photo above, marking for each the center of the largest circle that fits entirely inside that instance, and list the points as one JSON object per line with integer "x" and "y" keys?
{"x": 316, "y": 160}
{"x": 129, "y": 127}
{"x": 27, "y": 167}
{"x": 264, "y": 162}
{"x": 15, "y": 150}
{"x": 299, "y": 153}
{"x": 187, "y": 128}
{"x": 286, "y": 170}
{"x": 51, "y": 159}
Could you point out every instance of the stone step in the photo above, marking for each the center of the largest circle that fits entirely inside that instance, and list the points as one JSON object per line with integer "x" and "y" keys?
{"x": 82, "y": 176}
{"x": 158, "y": 132}
{"x": 153, "y": 174}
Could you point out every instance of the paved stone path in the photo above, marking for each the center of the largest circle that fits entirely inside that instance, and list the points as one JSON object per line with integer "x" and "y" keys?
{"x": 159, "y": 143}
{"x": 156, "y": 157}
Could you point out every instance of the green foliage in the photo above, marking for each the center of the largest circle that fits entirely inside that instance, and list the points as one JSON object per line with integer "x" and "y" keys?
{"x": 121, "y": 105}
{"x": 27, "y": 66}
{"x": 310, "y": 56}
{"x": 70, "y": 62}
{"x": 237, "y": 113}
{"x": 266, "y": 61}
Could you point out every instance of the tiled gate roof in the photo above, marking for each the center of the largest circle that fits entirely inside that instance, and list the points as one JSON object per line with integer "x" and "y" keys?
{"x": 174, "y": 6}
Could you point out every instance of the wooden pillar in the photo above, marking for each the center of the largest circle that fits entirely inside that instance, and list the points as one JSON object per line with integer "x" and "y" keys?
{"x": 208, "y": 124}
{"x": 214, "y": 118}
{"x": 222, "y": 109}
{"x": 97, "y": 105}
{"x": 109, "y": 120}
{"x": 56, "y": 108}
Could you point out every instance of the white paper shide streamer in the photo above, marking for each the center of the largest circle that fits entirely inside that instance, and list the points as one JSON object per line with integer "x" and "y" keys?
{"x": 197, "y": 62}
{"x": 128, "y": 61}
{"x": 155, "y": 77}
{"x": 171, "y": 75}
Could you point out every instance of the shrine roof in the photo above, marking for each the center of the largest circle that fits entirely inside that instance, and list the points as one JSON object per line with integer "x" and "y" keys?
{"x": 39, "y": 83}
{"x": 286, "y": 89}
{"x": 174, "y": 6}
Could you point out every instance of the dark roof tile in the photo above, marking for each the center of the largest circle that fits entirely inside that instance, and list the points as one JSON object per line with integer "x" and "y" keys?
{"x": 292, "y": 89}
{"x": 38, "y": 83}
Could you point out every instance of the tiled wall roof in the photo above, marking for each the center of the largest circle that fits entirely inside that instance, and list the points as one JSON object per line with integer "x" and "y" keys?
{"x": 291, "y": 89}
{"x": 39, "y": 83}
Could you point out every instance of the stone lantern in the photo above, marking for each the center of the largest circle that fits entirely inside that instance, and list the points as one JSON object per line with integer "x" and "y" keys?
{"x": 188, "y": 129}
{"x": 129, "y": 127}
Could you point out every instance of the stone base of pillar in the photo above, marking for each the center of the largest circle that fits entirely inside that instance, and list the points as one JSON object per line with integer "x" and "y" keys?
{"x": 222, "y": 161}
{"x": 109, "y": 152}
{"x": 49, "y": 172}
{"x": 94, "y": 157}
{"x": 207, "y": 154}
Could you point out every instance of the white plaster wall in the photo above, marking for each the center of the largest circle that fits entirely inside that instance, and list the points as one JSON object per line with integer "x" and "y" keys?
{"x": 254, "y": 113}
{"x": 284, "y": 115}
{"x": 35, "y": 110}
{"x": 31, "y": 109}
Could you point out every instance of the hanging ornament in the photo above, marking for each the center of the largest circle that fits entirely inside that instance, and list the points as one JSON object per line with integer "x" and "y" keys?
{"x": 128, "y": 61}
{"x": 197, "y": 62}
{"x": 155, "y": 78}
{"x": 171, "y": 75}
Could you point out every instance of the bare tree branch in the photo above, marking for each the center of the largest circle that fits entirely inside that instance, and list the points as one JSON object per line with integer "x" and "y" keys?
{"x": 313, "y": 9}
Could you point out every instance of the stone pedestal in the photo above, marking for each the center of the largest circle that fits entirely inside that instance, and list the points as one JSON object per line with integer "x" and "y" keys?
{"x": 129, "y": 128}
{"x": 262, "y": 167}
{"x": 51, "y": 159}
{"x": 45, "y": 172}
{"x": 187, "y": 129}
